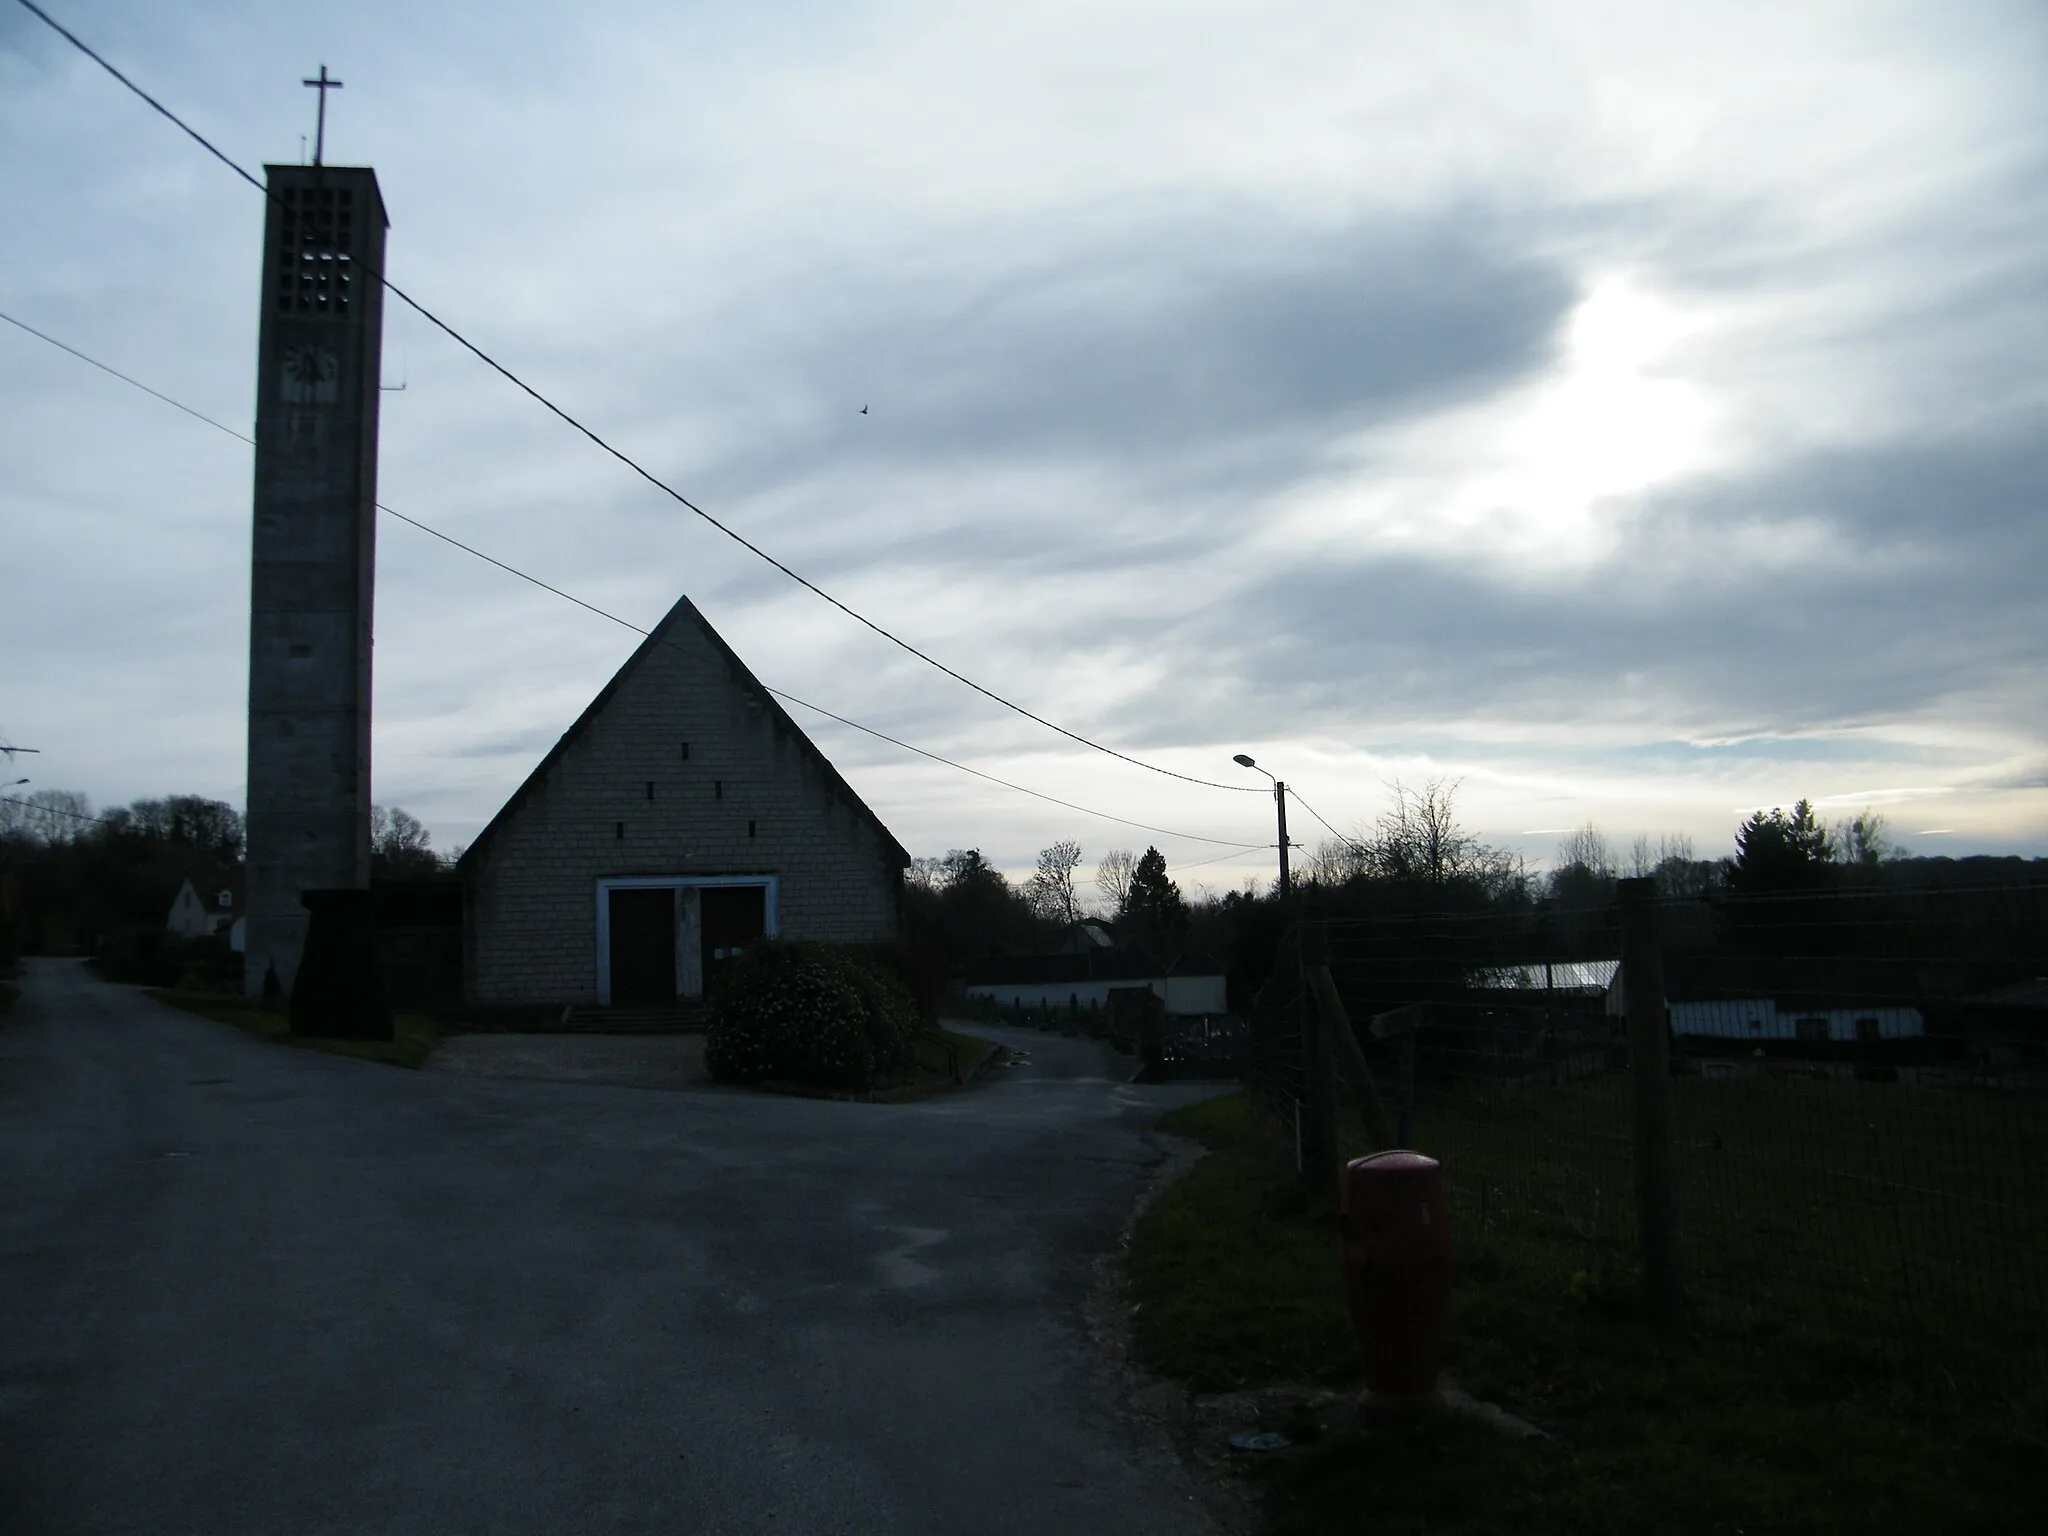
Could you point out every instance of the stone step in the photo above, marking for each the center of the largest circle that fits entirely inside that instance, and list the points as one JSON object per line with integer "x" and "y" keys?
{"x": 674, "y": 1019}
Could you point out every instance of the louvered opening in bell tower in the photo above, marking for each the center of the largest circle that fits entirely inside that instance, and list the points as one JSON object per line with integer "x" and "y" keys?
{"x": 314, "y": 264}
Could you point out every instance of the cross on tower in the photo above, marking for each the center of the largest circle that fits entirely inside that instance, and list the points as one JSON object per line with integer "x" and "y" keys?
{"x": 323, "y": 85}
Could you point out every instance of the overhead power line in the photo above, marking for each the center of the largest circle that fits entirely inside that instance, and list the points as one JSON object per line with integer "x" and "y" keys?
{"x": 626, "y": 459}
{"x": 513, "y": 570}
{"x": 1181, "y": 869}
{"x": 176, "y": 405}
{"x": 51, "y": 810}
{"x": 1351, "y": 841}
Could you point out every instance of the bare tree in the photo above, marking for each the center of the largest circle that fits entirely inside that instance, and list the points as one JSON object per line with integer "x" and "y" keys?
{"x": 1051, "y": 890}
{"x": 397, "y": 830}
{"x": 1587, "y": 849}
{"x": 1419, "y": 842}
{"x": 1864, "y": 840}
{"x": 400, "y": 845}
{"x": 1337, "y": 861}
{"x": 48, "y": 815}
{"x": 1113, "y": 879}
{"x": 928, "y": 874}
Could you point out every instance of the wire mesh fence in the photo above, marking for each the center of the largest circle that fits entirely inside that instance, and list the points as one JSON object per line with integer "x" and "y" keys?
{"x": 1274, "y": 1074}
{"x": 1859, "y": 1106}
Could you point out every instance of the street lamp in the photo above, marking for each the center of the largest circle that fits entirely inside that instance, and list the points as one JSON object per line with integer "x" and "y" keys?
{"x": 1279, "y": 805}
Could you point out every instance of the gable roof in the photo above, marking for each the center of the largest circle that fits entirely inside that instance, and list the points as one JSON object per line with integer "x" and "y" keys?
{"x": 684, "y": 613}
{"x": 207, "y": 885}
{"x": 1083, "y": 935}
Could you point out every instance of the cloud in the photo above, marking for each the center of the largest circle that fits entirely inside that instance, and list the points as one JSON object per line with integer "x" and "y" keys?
{"x": 1634, "y": 412}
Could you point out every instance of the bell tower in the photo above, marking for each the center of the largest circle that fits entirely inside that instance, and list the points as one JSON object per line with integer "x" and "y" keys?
{"x": 314, "y": 552}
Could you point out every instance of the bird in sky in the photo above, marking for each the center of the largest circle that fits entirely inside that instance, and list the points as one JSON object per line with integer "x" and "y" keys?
{"x": 863, "y": 410}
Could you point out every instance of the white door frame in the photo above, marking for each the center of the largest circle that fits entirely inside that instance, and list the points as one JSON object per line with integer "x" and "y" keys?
{"x": 771, "y": 891}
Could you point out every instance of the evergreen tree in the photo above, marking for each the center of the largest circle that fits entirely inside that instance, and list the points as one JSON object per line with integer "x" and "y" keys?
{"x": 1154, "y": 913}
{"x": 963, "y": 908}
{"x": 1776, "y": 851}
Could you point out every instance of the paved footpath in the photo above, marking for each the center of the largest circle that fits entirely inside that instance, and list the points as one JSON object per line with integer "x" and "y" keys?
{"x": 250, "y": 1289}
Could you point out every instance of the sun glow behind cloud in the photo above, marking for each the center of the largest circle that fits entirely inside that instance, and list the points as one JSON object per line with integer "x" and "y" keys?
{"x": 1532, "y": 479}
{"x": 1387, "y": 394}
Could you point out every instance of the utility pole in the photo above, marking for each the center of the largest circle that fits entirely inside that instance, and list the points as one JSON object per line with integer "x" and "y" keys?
{"x": 1280, "y": 804}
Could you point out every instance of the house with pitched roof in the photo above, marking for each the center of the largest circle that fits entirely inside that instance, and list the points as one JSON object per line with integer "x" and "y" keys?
{"x": 207, "y": 904}
{"x": 680, "y": 819}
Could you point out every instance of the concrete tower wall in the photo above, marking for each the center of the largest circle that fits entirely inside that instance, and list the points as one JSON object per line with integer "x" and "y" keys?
{"x": 314, "y": 552}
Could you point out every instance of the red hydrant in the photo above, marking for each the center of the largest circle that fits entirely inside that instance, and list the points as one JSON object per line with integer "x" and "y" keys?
{"x": 1397, "y": 1272}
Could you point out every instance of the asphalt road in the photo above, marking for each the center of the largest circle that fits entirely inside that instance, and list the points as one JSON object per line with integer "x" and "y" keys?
{"x": 245, "y": 1288}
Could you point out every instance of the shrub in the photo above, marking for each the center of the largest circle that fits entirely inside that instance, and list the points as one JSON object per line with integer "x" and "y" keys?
{"x": 888, "y": 1016}
{"x": 136, "y": 957}
{"x": 807, "y": 1013}
{"x": 150, "y": 957}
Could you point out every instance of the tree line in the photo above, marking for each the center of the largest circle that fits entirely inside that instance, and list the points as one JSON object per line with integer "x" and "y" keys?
{"x": 972, "y": 910}
{"x": 72, "y": 880}
{"x": 70, "y": 877}
{"x": 1417, "y": 857}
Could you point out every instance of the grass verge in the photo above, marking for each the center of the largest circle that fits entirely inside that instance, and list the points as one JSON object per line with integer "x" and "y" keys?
{"x": 1723, "y": 1425}
{"x": 933, "y": 1057}
{"x": 939, "y": 1050}
{"x": 415, "y": 1037}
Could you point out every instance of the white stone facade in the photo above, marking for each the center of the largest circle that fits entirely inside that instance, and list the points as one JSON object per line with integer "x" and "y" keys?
{"x": 685, "y": 773}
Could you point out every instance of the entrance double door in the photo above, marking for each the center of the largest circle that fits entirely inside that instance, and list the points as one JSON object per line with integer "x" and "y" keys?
{"x": 730, "y": 919}
{"x": 642, "y": 922}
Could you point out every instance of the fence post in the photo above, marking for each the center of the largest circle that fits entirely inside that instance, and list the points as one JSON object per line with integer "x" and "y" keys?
{"x": 1318, "y": 1072}
{"x": 1407, "y": 1136}
{"x": 1649, "y": 1058}
{"x": 1340, "y": 1044}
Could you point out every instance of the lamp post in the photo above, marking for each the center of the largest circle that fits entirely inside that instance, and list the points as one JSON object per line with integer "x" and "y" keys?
{"x": 1315, "y": 1123}
{"x": 1280, "y": 806}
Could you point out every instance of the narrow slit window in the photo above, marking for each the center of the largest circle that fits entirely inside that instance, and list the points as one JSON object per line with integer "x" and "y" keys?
{"x": 619, "y": 831}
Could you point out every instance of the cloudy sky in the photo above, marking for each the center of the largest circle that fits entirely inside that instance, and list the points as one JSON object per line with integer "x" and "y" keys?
{"x": 1635, "y": 413}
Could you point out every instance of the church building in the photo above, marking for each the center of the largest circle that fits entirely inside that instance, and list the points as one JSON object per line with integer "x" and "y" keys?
{"x": 681, "y": 818}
